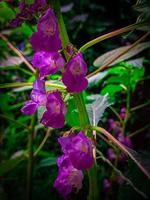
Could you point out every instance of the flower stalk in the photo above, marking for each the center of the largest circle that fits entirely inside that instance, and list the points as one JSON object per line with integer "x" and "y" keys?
{"x": 83, "y": 116}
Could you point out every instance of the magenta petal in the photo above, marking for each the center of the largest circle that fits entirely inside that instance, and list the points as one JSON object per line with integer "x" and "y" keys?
{"x": 47, "y": 63}
{"x": 47, "y": 36}
{"x": 74, "y": 83}
{"x": 68, "y": 178}
{"x": 79, "y": 149}
{"x": 29, "y": 108}
{"x": 53, "y": 120}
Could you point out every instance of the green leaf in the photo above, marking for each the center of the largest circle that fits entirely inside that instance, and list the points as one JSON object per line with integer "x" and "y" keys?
{"x": 105, "y": 58}
{"x": 47, "y": 162}
{"x": 96, "y": 78}
{"x": 97, "y": 107}
{"x": 112, "y": 90}
{"x": 6, "y": 13}
{"x": 8, "y": 165}
{"x": 72, "y": 116}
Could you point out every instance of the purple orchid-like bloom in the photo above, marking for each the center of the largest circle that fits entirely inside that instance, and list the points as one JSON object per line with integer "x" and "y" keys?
{"x": 47, "y": 63}
{"x": 74, "y": 76}
{"x": 79, "y": 149}
{"x": 54, "y": 116}
{"x": 68, "y": 178}
{"x": 47, "y": 37}
{"x": 37, "y": 98}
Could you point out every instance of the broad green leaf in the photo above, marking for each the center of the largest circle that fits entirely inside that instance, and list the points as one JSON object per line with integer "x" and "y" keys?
{"x": 97, "y": 107}
{"x": 111, "y": 90}
{"x": 8, "y": 165}
{"x": 6, "y": 13}
{"x": 72, "y": 116}
{"x": 103, "y": 59}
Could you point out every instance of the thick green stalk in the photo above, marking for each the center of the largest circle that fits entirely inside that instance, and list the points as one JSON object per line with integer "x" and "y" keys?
{"x": 83, "y": 116}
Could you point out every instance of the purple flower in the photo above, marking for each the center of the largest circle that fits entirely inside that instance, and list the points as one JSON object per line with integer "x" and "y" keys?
{"x": 111, "y": 154}
{"x": 56, "y": 109}
{"x": 125, "y": 140}
{"x": 47, "y": 37}
{"x": 47, "y": 63}
{"x": 106, "y": 185}
{"x": 113, "y": 126}
{"x": 68, "y": 178}
{"x": 74, "y": 76}
{"x": 79, "y": 149}
{"x": 123, "y": 113}
{"x": 37, "y": 98}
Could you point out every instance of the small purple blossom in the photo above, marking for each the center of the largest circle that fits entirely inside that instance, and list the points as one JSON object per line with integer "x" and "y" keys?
{"x": 79, "y": 149}
{"x": 54, "y": 116}
{"x": 47, "y": 37}
{"x": 74, "y": 76}
{"x": 106, "y": 185}
{"x": 111, "y": 154}
{"x": 123, "y": 113}
{"x": 68, "y": 178}
{"x": 47, "y": 63}
{"x": 37, "y": 98}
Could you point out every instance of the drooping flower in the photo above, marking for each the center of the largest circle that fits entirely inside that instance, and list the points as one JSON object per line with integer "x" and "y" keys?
{"x": 68, "y": 178}
{"x": 54, "y": 116}
{"x": 74, "y": 76}
{"x": 37, "y": 98}
{"x": 79, "y": 149}
{"x": 47, "y": 37}
{"x": 47, "y": 63}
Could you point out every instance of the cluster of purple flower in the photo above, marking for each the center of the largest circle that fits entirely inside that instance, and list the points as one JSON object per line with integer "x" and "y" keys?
{"x": 27, "y": 11}
{"x": 47, "y": 60}
{"x": 78, "y": 156}
{"x": 77, "y": 149}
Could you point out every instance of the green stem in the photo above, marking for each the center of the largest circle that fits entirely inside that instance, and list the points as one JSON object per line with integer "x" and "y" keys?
{"x": 83, "y": 116}
{"x": 43, "y": 142}
{"x": 139, "y": 106}
{"x": 127, "y": 110}
{"x": 139, "y": 130}
{"x": 15, "y": 85}
{"x": 110, "y": 35}
{"x": 30, "y": 159}
{"x": 116, "y": 113}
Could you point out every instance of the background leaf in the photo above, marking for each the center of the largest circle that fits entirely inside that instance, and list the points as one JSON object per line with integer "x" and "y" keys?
{"x": 96, "y": 109}
{"x": 106, "y": 57}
